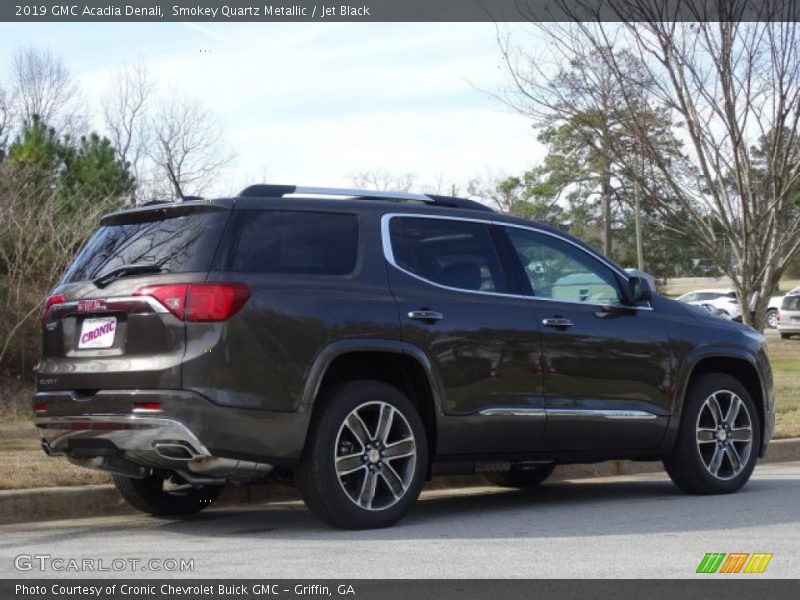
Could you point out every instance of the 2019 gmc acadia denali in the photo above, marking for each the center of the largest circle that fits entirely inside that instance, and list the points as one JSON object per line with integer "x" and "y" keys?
{"x": 356, "y": 342}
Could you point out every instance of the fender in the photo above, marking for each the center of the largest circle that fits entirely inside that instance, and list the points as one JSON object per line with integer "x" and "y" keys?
{"x": 330, "y": 352}
{"x": 684, "y": 374}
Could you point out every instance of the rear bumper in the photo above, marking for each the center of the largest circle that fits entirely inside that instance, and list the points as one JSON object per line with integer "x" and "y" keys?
{"x": 187, "y": 430}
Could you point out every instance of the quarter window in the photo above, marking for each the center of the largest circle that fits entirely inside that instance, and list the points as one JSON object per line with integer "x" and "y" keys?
{"x": 557, "y": 270}
{"x": 274, "y": 241}
{"x": 456, "y": 254}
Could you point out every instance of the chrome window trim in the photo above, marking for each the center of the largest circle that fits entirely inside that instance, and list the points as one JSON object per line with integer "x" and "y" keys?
{"x": 388, "y": 254}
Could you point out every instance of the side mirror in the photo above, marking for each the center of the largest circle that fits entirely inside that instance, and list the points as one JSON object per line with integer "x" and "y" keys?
{"x": 639, "y": 290}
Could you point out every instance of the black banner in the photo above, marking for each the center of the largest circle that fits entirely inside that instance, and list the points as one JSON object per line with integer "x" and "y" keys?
{"x": 383, "y": 589}
{"x": 397, "y": 10}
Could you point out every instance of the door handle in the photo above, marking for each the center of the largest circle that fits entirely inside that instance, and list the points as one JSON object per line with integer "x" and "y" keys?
{"x": 558, "y": 322}
{"x": 425, "y": 315}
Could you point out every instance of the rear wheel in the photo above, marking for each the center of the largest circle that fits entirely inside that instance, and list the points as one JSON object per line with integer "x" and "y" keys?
{"x": 521, "y": 477}
{"x": 148, "y": 495}
{"x": 718, "y": 441}
{"x": 366, "y": 456}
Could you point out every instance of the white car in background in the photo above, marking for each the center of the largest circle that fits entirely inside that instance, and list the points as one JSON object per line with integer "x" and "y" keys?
{"x": 789, "y": 316}
{"x": 726, "y": 301}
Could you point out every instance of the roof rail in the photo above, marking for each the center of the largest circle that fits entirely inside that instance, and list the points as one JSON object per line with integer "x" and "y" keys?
{"x": 271, "y": 190}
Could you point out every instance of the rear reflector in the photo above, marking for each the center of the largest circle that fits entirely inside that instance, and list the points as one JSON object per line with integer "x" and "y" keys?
{"x": 199, "y": 301}
{"x": 51, "y": 300}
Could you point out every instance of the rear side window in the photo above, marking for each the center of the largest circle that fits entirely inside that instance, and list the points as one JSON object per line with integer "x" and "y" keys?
{"x": 456, "y": 254}
{"x": 791, "y": 302}
{"x": 181, "y": 243}
{"x": 274, "y": 241}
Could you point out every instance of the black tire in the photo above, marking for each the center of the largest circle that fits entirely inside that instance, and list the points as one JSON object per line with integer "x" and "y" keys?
{"x": 148, "y": 496}
{"x": 523, "y": 478}
{"x": 687, "y": 466}
{"x": 317, "y": 478}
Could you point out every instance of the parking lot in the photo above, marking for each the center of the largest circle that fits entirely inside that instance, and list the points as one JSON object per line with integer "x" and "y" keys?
{"x": 633, "y": 526}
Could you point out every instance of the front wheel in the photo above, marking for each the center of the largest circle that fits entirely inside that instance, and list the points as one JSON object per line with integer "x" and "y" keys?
{"x": 366, "y": 456}
{"x": 148, "y": 495}
{"x": 719, "y": 437}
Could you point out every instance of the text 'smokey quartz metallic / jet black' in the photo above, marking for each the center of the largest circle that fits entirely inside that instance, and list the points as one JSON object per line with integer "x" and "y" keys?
{"x": 354, "y": 343}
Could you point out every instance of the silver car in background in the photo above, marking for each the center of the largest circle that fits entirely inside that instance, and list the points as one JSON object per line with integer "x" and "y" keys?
{"x": 789, "y": 315}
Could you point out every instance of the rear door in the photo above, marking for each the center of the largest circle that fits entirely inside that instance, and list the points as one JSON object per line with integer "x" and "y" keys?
{"x": 457, "y": 305}
{"x": 100, "y": 331}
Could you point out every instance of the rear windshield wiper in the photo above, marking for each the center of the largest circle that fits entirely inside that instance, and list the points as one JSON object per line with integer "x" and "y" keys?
{"x": 125, "y": 271}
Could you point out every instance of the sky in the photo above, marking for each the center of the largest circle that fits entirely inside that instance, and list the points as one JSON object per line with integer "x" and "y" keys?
{"x": 316, "y": 103}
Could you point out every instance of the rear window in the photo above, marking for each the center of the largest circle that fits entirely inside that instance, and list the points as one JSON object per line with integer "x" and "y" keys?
{"x": 276, "y": 241}
{"x": 182, "y": 243}
{"x": 791, "y": 303}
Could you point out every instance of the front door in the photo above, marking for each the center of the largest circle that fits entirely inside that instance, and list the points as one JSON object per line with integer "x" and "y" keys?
{"x": 456, "y": 304}
{"x": 606, "y": 365}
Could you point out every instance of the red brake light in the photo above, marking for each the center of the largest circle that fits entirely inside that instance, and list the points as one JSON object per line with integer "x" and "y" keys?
{"x": 51, "y": 300}
{"x": 172, "y": 296}
{"x": 199, "y": 301}
{"x": 40, "y": 407}
{"x": 215, "y": 301}
{"x": 146, "y": 406}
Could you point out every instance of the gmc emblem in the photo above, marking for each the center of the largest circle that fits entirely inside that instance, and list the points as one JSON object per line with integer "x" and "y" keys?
{"x": 91, "y": 305}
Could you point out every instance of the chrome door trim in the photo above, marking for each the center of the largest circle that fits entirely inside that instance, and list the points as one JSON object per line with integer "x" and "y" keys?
{"x": 513, "y": 412}
{"x": 605, "y": 413}
{"x": 388, "y": 254}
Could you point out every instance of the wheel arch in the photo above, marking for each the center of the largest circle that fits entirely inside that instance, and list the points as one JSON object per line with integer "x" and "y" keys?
{"x": 740, "y": 365}
{"x": 399, "y": 364}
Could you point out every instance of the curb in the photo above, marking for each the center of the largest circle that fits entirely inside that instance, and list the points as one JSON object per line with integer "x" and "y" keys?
{"x": 48, "y": 504}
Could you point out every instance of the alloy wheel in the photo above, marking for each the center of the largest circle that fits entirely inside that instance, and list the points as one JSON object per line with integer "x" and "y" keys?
{"x": 724, "y": 434}
{"x": 376, "y": 455}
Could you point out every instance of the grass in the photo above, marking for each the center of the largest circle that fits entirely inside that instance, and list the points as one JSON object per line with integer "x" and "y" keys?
{"x": 785, "y": 359}
{"x": 24, "y": 465}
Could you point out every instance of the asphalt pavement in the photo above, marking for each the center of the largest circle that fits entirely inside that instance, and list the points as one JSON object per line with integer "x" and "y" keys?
{"x": 627, "y": 526}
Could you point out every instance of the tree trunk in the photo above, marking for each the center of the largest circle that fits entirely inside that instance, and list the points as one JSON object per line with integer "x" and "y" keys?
{"x": 605, "y": 198}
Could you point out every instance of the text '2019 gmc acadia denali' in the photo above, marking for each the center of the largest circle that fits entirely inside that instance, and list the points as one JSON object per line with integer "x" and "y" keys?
{"x": 357, "y": 342}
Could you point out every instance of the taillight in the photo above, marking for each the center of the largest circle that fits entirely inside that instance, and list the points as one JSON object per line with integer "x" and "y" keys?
{"x": 172, "y": 296}
{"x": 51, "y": 300}
{"x": 199, "y": 301}
{"x": 40, "y": 407}
{"x": 146, "y": 407}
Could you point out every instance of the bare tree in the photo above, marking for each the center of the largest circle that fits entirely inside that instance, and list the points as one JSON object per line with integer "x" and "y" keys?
{"x": 125, "y": 111}
{"x": 188, "y": 148}
{"x": 730, "y": 91}
{"x": 39, "y": 234}
{"x": 5, "y": 120}
{"x": 383, "y": 181}
{"x": 43, "y": 86}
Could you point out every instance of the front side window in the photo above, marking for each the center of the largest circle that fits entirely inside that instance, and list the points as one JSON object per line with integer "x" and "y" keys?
{"x": 456, "y": 254}
{"x": 558, "y": 270}
{"x": 296, "y": 242}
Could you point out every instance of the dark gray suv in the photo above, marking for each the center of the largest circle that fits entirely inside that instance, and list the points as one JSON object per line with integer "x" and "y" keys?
{"x": 357, "y": 342}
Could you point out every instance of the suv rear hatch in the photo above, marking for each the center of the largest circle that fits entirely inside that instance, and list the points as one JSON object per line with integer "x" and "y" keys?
{"x": 105, "y": 325}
